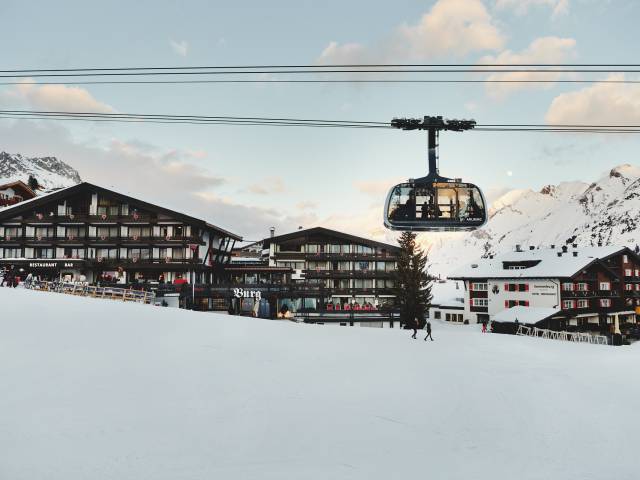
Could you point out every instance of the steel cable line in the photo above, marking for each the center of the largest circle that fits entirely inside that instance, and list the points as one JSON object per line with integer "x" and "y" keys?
{"x": 341, "y": 66}
{"x": 307, "y": 81}
{"x": 284, "y": 121}
{"x": 315, "y": 72}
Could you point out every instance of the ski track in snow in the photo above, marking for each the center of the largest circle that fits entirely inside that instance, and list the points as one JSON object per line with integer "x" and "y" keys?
{"x": 101, "y": 389}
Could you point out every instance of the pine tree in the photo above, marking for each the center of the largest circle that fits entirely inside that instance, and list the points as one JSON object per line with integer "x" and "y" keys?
{"x": 413, "y": 283}
{"x": 33, "y": 183}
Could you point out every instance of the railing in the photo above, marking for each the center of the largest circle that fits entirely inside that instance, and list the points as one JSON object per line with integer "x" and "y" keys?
{"x": 347, "y": 315}
{"x": 578, "y": 337}
{"x": 111, "y": 293}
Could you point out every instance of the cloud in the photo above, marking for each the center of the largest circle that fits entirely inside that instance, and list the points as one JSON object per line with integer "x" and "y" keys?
{"x": 455, "y": 27}
{"x": 168, "y": 177}
{"x": 458, "y": 27}
{"x": 521, "y": 7}
{"x": 268, "y": 186}
{"x": 53, "y": 98}
{"x": 306, "y": 205}
{"x": 376, "y": 188}
{"x": 181, "y": 47}
{"x": 541, "y": 50}
{"x": 598, "y": 104}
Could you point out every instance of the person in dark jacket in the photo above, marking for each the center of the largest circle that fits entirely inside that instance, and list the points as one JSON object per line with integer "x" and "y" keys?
{"x": 428, "y": 332}
{"x": 414, "y": 324}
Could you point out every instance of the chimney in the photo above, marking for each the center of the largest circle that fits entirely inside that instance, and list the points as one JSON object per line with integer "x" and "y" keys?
{"x": 531, "y": 247}
{"x": 552, "y": 246}
{"x": 518, "y": 248}
{"x": 575, "y": 245}
{"x": 599, "y": 244}
{"x": 272, "y": 232}
{"x": 575, "y": 253}
{"x": 564, "y": 249}
{"x": 559, "y": 254}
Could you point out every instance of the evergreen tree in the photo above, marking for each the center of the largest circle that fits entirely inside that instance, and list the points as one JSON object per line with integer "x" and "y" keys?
{"x": 33, "y": 183}
{"x": 413, "y": 283}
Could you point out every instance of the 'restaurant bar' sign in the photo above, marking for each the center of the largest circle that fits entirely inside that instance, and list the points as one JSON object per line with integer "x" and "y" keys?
{"x": 51, "y": 265}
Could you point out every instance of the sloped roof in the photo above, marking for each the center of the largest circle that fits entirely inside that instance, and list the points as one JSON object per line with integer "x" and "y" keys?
{"x": 329, "y": 233}
{"x": 19, "y": 208}
{"x": 19, "y": 184}
{"x": 549, "y": 265}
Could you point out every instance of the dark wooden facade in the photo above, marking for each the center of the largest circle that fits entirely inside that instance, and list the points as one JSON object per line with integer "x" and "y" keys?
{"x": 99, "y": 230}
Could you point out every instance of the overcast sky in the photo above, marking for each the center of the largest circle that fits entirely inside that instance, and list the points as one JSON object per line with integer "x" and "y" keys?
{"x": 249, "y": 178}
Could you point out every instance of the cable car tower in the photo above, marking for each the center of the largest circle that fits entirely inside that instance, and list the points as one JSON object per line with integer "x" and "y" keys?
{"x": 434, "y": 203}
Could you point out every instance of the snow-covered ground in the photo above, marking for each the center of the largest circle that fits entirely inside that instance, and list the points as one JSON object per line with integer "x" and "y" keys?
{"x": 94, "y": 389}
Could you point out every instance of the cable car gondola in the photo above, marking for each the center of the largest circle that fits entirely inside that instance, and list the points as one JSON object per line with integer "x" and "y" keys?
{"x": 434, "y": 203}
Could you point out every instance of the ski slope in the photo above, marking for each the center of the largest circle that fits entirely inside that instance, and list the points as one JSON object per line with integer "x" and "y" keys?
{"x": 95, "y": 389}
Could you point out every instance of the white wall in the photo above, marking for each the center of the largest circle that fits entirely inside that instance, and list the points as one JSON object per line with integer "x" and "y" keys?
{"x": 542, "y": 293}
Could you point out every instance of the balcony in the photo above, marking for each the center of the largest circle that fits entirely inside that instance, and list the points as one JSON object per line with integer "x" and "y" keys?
{"x": 39, "y": 238}
{"x": 145, "y": 261}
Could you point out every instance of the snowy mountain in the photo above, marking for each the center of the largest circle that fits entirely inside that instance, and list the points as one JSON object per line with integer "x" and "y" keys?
{"x": 606, "y": 212}
{"x": 49, "y": 171}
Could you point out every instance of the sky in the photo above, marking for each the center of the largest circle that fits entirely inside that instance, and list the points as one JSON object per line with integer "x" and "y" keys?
{"x": 247, "y": 179}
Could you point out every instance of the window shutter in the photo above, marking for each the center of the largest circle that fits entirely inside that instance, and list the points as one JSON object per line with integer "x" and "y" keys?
{"x": 471, "y": 286}
{"x": 506, "y": 304}
{"x": 506, "y": 287}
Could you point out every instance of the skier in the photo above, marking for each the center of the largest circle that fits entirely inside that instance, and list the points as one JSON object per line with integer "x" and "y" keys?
{"x": 428, "y": 332}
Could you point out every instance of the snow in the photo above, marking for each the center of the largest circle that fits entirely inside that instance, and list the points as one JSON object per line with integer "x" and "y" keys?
{"x": 525, "y": 315}
{"x": 550, "y": 264}
{"x": 447, "y": 293}
{"x": 101, "y": 389}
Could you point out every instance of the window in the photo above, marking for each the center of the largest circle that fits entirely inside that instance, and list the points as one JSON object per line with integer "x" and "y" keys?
{"x": 567, "y": 287}
{"x": 605, "y": 286}
{"x": 12, "y": 253}
{"x": 636, "y": 272}
{"x": 516, "y": 287}
{"x": 313, "y": 248}
{"x": 625, "y": 259}
{"x": 479, "y": 302}
{"x": 516, "y": 303}
{"x": 582, "y": 303}
{"x": 43, "y": 253}
{"x": 628, "y": 286}
{"x": 479, "y": 287}
{"x": 74, "y": 253}
{"x": 362, "y": 266}
{"x": 605, "y": 302}
{"x": 583, "y": 287}
{"x": 627, "y": 272}
{"x": 437, "y": 315}
{"x": 568, "y": 304}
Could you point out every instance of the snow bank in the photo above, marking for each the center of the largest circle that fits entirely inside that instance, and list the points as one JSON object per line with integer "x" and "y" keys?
{"x": 105, "y": 390}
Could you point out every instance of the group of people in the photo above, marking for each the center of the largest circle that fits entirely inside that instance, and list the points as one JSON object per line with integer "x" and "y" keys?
{"x": 415, "y": 324}
{"x": 9, "y": 277}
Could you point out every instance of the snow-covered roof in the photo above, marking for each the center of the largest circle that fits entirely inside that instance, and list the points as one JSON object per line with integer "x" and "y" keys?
{"x": 38, "y": 197}
{"x": 525, "y": 315}
{"x": 545, "y": 263}
{"x": 447, "y": 293}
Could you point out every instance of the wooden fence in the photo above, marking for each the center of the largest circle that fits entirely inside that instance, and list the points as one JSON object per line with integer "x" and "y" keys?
{"x": 111, "y": 293}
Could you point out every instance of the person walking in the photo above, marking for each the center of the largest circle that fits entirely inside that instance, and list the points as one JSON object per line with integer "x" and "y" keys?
{"x": 428, "y": 332}
{"x": 414, "y": 325}
{"x": 484, "y": 326}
